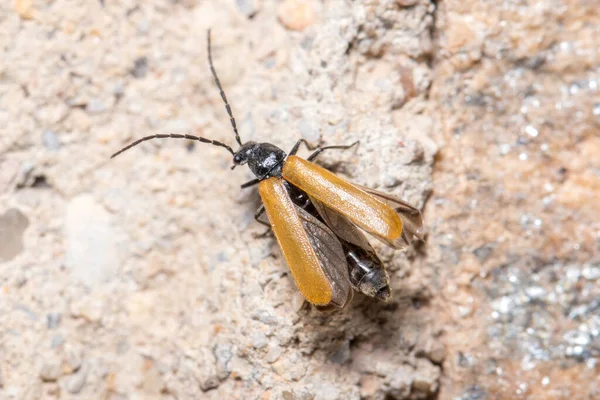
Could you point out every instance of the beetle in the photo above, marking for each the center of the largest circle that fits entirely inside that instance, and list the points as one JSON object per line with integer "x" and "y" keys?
{"x": 317, "y": 217}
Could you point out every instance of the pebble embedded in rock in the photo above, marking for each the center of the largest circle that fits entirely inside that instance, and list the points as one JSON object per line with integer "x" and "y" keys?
{"x": 74, "y": 359}
{"x": 407, "y": 3}
{"x": 297, "y": 15}
{"x": 259, "y": 340}
{"x": 206, "y": 372}
{"x": 24, "y": 8}
{"x": 140, "y": 67}
{"x": 400, "y": 381}
{"x": 265, "y": 316}
{"x": 12, "y": 227}
{"x": 50, "y": 140}
{"x": 95, "y": 106}
{"x": 427, "y": 380}
{"x": 51, "y": 370}
{"x": 249, "y": 7}
{"x": 342, "y": 355}
{"x": 57, "y": 340}
{"x": 223, "y": 354}
{"x": 90, "y": 242}
{"x": 90, "y": 308}
{"x": 76, "y": 382}
{"x": 53, "y": 320}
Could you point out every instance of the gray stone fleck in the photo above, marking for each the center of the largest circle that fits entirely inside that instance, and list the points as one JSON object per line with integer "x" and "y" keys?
{"x": 474, "y": 393}
{"x": 50, "y": 140}
{"x": 119, "y": 89}
{"x": 223, "y": 354}
{"x": 12, "y": 227}
{"x": 53, "y": 320}
{"x": 342, "y": 355}
{"x": 483, "y": 253}
{"x": 259, "y": 340}
{"x": 95, "y": 106}
{"x": 140, "y": 67}
{"x": 57, "y": 340}
{"x": 265, "y": 317}
{"x": 209, "y": 383}
{"x": 30, "y": 314}
{"x": 249, "y": 7}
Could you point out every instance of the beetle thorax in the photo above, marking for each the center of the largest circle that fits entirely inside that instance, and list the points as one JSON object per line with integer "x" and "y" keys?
{"x": 266, "y": 160}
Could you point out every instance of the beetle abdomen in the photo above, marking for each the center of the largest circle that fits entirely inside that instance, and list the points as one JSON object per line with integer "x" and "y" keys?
{"x": 366, "y": 271}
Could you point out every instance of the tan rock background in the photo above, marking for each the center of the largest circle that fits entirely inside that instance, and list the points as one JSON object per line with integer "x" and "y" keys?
{"x": 140, "y": 278}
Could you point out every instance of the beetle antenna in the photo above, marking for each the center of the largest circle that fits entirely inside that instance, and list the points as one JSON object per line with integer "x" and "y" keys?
{"x": 227, "y": 106}
{"x": 174, "y": 136}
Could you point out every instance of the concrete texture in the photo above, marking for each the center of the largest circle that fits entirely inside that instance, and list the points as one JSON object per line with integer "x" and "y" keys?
{"x": 140, "y": 278}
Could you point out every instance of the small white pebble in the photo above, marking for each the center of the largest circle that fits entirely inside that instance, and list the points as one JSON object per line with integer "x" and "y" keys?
{"x": 504, "y": 148}
{"x": 531, "y": 131}
{"x": 545, "y": 381}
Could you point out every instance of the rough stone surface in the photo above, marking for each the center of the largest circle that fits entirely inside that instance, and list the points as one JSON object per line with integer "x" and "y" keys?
{"x": 514, "y": 232}
{"x": 140, "y": 278}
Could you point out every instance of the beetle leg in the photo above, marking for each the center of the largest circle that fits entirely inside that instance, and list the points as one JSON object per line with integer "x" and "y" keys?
{"x": 297, "y": 146}
{"x": 338, "y": 147}
{"x": 251, "y": 183}
{"x": 259, "y": 212}
{"x": 318, "y": 150}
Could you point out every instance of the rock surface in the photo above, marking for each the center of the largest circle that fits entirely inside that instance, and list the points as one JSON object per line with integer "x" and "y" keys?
{"x": 139, "y": 277}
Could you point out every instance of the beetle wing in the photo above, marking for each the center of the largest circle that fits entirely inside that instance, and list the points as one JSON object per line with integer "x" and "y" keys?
{"x": 341, "y": 226}
{"x": 330, "y": 254}
{"x": 412, "y": 219}
{"x": 364, "y": 210}
{"x": 312, "y": 252}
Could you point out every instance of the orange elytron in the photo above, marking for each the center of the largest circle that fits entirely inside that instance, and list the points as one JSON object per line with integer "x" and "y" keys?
{"x": 309, "y": 272}
{"x": 361, "y": 208}
{"x": 317, "y": 217}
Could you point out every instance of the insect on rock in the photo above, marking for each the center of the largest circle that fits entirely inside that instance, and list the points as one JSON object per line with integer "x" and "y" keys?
{"x": 318, "y": 218}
